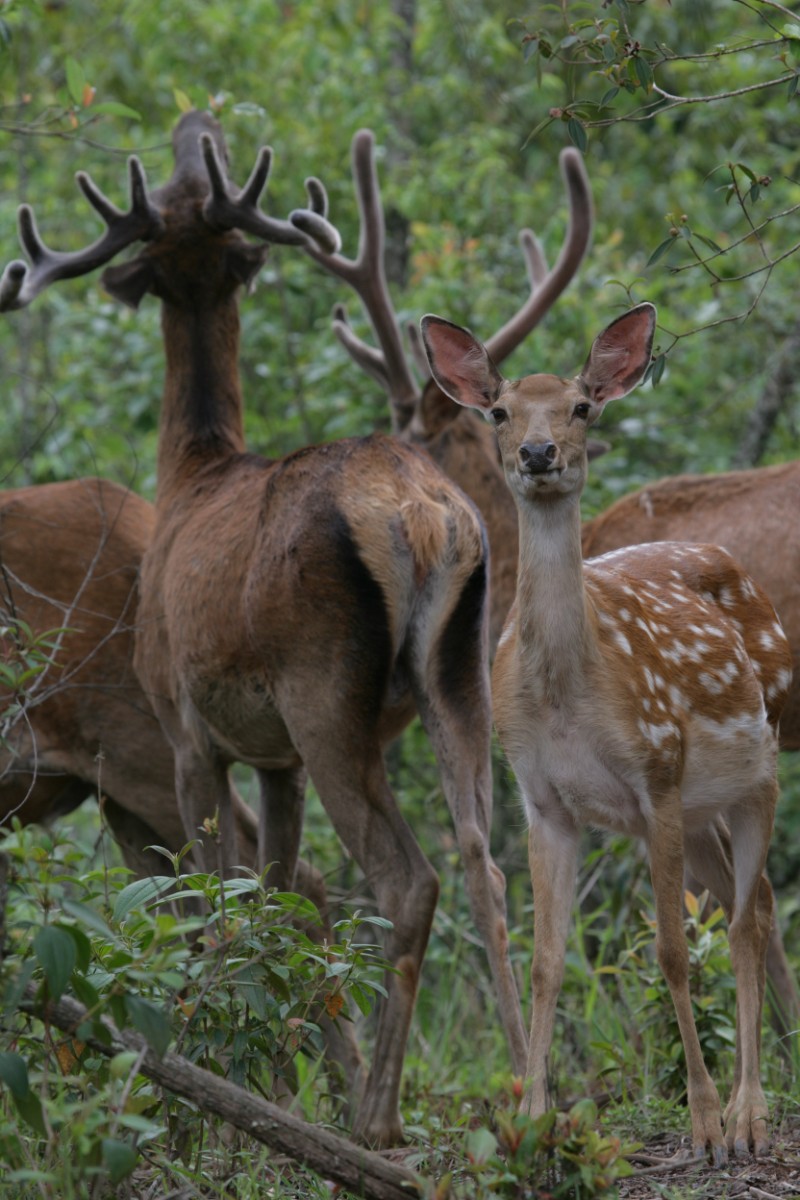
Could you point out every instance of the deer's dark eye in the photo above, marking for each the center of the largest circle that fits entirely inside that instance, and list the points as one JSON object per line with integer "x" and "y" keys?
{"x": 498, "y": 415}
{"x": 581, "y": 410}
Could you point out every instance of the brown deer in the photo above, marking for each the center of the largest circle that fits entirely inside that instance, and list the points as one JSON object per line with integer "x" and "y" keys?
{"x": 70, "y": 555}
{"x": 638, "y": 692}
{"x": 714, "y": 509}
{"x": 295, "y": 613}
{"x": 69, "y": 560}
{"x": 421, "y": 414}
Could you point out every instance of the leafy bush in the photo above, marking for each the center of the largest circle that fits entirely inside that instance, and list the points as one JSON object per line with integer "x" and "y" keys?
{"x": 235, "y": 978}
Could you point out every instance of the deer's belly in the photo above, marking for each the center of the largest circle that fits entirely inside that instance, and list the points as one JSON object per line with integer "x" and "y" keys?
{"x": 241, "y": 720}
{"x": 573, "y": 781}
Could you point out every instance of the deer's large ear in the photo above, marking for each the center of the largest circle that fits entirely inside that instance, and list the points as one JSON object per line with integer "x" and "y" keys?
{"x": 128, "y": 281}
{"x": 459, "y": 364}
{"x": 620, "y": 355}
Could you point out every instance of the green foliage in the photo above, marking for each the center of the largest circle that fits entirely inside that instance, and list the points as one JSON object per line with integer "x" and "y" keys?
{"x": 713, "y": 994}
{"x": 469, "y": 122}
{"x": 234, "y": 978}
{"x": 560, "y": 1154}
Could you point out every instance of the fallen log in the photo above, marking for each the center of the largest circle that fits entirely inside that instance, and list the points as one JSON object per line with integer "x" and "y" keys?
{"x": 333, "y": 1157}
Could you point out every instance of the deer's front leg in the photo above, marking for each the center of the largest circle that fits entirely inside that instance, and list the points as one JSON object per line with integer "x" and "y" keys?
{"x": 665, "y": 848}
{"x": 553, "y": 858}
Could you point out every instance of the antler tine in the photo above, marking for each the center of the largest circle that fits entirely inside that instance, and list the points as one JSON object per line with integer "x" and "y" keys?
{"x": 22, "y": 283}
{"x": 366, "y": 275}
{"x": 533, "y": 254}
{"x": 547, "y": 289}
{"x": 370, "y": 360}
{"x": 229, "y": 208}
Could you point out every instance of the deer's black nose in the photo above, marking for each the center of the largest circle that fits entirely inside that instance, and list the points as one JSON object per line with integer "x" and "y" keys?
{"x": 535, "y": 459}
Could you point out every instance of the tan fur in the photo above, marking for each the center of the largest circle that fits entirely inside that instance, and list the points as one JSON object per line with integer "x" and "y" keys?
{"x": 69, "y": 559}
{"x": 294, "y": 614}
{"x": 465, "y": 449}
{"x": 639, "y": 692}
{"x": 751, "y": 513}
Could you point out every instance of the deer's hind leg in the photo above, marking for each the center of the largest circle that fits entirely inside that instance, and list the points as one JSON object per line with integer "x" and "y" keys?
{"x": 738, "y": 882}
{"x": 449, "y": 669}
{"x": 346, "y": 766}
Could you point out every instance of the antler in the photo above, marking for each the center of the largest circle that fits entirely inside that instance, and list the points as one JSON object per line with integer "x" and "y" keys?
{"x": 22, "y": 282}
{"x": 229, "y": 208}
{"x": 547, "y": 286}
{"x": 366, "y": 275}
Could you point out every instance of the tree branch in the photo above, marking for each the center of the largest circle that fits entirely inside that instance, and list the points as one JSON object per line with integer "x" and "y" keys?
{"x": 362, "y": 1171}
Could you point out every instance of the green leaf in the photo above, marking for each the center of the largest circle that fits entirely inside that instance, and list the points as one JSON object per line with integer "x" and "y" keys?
{"x": 83, "y": 947}
{"x": 754, "y": 193}
{"x": 119, "y": 1159}
{"x": 30, "y": 1109}
{"x": 182, "y": 100}
{"x": 577, "y": 134}
{"x": 76, "y": 80}
{"x": 361, "y": 998}
{"x": 14, "y": 1074}
{"x": 791, "y": 30}
{"x": 115, "y": 109}
{"x": 661, "y": 250}
{"x": 140, "y": 893}
{"x": 56, "y": 954}
{"x": 151, "y": 1022}
{"x": 297, "y": 907}
{"x": 120, "y": 1065}
{"x": 644, "y": 72}
{"x": 657, "y": 369}
{"x": 529, "y": 48}
{"x": 608, "y": 96}
{"x": 87, "y": 916}
{"x": 480, "y": 1145}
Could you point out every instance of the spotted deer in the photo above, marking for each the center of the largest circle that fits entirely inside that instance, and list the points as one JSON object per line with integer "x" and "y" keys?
{"x": 639, "y": 692}
{"x": 748, "y": 512}
{"x": 294, "y": 614}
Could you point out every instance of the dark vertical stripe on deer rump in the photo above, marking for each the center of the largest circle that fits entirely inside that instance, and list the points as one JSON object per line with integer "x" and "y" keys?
{"x": 367, "y": 639}
{"x": 462, "y": 644}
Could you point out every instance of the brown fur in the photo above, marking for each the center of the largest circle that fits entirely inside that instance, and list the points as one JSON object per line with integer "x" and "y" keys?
{"x": 294, "y": 614}
{"x": 465, "y": 449}
{"x": 69, "y": 556}
{"x": 640, "y": 692}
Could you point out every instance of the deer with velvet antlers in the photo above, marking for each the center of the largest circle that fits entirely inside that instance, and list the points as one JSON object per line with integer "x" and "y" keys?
{"x": 294, "y": 614}
{"x": 639, "y": 692}
{"x": 748, "y": 512}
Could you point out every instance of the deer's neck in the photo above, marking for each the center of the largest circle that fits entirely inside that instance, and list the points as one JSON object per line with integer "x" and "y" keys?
{"x": 201, "y": 414}
{"x": 554, "y": 634}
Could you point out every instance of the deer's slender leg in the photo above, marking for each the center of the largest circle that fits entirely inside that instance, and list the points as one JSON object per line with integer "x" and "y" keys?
{"x": 280, "y": 824}
{"x": 351, "y": 781}
{"x": 203, "y": 792}
{"x": 459, "y": 726}
{"x": 665, "y": 848}
{"x": 750, "y": 828}
{"x": 553, "y": 858}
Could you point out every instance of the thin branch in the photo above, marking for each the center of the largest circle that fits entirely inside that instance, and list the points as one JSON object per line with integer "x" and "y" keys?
{"x": 756, "y": 229}
{"x": 742, "y": 91}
